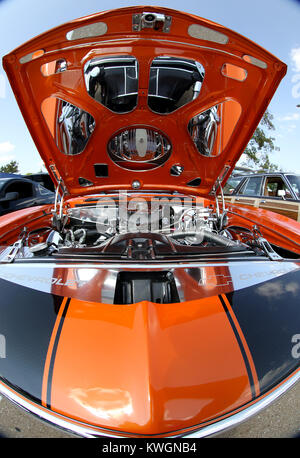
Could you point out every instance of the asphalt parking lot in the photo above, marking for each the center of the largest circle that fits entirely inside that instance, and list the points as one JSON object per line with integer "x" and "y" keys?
{"x": 279, "y": 420}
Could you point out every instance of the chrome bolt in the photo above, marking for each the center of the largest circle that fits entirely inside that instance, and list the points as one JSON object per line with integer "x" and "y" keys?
{"x": 136, "y": 184}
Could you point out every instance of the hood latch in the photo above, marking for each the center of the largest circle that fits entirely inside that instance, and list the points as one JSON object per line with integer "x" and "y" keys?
{"x": 147, "y": 20}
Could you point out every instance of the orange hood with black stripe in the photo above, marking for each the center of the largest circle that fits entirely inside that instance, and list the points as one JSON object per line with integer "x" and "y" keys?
{"x": 147, "y": 369}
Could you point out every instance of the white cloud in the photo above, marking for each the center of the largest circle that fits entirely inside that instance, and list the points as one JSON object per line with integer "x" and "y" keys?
{"x": 6, "y": 149}
{"x": 289, "y": 117}
{"x": 295, "y": 56}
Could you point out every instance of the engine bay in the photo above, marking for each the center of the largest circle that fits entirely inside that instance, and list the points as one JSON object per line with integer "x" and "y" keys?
{"x": 140, "y": 227}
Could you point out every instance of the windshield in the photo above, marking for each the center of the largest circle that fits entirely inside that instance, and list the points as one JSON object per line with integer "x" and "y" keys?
{"x": 295, "y": 184}
{"x": 2, "y": 182}
{"x": 231, "y": 185}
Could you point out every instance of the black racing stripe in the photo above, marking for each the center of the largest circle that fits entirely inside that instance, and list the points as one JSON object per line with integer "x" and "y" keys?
{"x": 27, "y": 319}
{"x": 269, "y": 317}
{"x": 242, "y": 349}
{"x": 53, "y": 355}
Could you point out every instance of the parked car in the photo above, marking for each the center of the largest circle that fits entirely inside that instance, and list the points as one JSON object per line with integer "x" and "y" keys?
{"x": 17, "y": 193}
{"x": 140, "y": 306}
{"x": 43, "y": 178}
{"x": 278, "y": 192}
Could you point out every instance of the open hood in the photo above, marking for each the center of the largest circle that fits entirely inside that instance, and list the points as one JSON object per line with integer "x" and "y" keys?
{"x": 142, "y": 97}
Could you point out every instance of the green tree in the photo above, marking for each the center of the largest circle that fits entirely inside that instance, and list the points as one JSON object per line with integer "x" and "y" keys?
{"x": 10, "y": 167}
{"x": 261, "y": 146}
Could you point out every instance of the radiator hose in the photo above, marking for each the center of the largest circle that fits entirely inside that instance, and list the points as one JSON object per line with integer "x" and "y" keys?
{"x": 207, "y": 236}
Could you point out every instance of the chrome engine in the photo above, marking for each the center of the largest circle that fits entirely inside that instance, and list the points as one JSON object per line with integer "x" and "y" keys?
{"x": 140, "y": 227}
{"x": 136, "y": 228}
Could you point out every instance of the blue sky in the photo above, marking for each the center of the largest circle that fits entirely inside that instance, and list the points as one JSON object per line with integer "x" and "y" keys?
{"x": 273, "y": 24}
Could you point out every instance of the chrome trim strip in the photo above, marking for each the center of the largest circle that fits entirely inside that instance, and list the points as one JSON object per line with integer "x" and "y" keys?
{"x": 132, "y": 39}
{"x": 57, "y": 421}
{"x": 159, "y": 265}
{"x": 248, "y": 412}
{"x": 83, "y": 430}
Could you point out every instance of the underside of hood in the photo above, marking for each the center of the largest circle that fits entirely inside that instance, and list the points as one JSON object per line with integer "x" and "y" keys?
{"x": 142, "y": 98}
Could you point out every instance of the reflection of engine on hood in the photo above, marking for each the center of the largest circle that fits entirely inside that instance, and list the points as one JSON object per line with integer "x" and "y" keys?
{"x": 173, "y": 82}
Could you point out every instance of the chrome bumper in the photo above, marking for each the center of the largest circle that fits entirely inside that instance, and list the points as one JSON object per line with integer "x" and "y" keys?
{"x": 84, "y": 430}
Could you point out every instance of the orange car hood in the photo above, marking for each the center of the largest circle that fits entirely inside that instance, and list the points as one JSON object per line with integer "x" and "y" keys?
{"x": 240, "y": 79}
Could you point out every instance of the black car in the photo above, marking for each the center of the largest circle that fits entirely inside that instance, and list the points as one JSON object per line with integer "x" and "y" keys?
{"x": 43, "y": 179}
{"x": 17, "y": 193}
